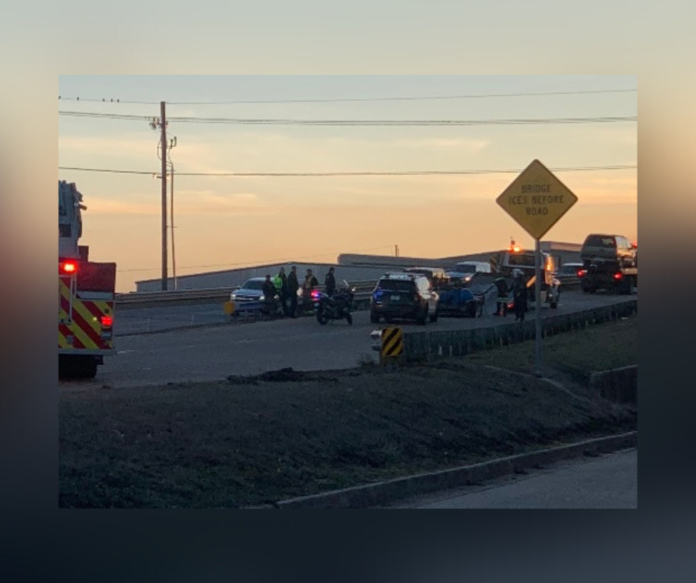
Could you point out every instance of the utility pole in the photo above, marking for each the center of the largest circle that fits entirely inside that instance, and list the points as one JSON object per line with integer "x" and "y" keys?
{"x": 163, "y": 127}
{"x": 172, "y": 144}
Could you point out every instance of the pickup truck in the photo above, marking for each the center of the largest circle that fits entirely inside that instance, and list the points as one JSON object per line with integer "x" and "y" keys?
{"x": 609, "y": 262}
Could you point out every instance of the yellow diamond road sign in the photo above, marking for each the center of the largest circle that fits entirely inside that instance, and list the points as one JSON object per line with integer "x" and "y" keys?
{"x": 536, "y": 199}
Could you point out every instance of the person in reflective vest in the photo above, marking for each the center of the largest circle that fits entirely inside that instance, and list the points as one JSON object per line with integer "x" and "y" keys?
{"x": 280, "y": 282}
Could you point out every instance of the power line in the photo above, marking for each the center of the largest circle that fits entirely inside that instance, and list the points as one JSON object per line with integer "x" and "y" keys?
{"x": 332, "y": 174}
{"x": 356, "y": 99}
{"x": 358, "y": 123}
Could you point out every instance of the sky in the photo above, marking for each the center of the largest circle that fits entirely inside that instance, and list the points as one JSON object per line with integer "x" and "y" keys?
{"x": 233, "y": 221}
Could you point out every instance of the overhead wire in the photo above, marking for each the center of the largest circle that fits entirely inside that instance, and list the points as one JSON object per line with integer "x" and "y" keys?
{"x": 367, "y": 173}
{"x": 355, "y": 123}
{"x": 357, "y": 99}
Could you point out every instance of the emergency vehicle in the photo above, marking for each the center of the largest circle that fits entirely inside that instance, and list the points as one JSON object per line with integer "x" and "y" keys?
{"x": 514, "y": 257}
{"x": 86, "y": 292}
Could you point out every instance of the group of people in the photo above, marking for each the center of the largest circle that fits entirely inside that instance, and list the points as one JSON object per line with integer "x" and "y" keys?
{"x": 286, "y": 287}
{"x": 519, "y": 292}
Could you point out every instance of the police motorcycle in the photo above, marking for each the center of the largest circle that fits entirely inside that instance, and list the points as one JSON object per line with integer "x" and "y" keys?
{"x": 335, "y": 307}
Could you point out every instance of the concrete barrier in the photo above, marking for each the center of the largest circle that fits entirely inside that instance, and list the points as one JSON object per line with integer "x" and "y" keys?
{"x": 619, "y": 385}
{"x": 419, "y": 346}
{"x": 389, "y": 492}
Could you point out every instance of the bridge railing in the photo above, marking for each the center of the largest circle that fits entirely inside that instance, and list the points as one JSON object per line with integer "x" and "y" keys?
{"x": 136, "y": 300}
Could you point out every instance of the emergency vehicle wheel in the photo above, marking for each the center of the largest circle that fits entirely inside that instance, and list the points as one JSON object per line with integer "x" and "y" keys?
{"x": 77, "y": 367}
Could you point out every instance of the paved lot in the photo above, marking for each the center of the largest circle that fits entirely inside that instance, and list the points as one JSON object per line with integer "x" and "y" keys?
{"x": 212, "y": 353}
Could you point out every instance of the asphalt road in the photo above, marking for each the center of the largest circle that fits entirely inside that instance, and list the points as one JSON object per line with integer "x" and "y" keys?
{"x": 212, "y": 353}
{"x": 610, "y": 481}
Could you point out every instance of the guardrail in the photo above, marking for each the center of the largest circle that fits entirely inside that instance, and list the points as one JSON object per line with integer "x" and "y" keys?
{"x": 446, "y": 343}
{"x": 136, "y": 300}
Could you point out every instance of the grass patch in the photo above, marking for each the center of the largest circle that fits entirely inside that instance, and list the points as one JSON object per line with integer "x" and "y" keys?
{"x": 575, "y": 355}
{"x": 255, "y": 440}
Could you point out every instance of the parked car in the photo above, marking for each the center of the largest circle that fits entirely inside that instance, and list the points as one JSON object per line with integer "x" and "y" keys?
{"x": 249, "y": 292}
{"x": 436, "y": 275}
{"x": 457, "y": 276}
{"x": 471, "y": 268}
{"x": 567, "y": 275}
{"x": 404, "y": 296}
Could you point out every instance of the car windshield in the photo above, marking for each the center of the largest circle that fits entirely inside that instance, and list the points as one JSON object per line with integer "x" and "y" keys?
{"x": 600, "y": 241}
{"x": 522, "y": 260}
{"x": 466, "y": 268}
{"x": 253, "y": 284}
{"x": 569, "y": 269}
{"x": 396, "y": 285}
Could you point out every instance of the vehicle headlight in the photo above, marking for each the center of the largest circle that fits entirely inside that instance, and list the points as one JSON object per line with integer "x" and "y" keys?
{"x": 262, "y": 298}
{"x": 233, "y": 297}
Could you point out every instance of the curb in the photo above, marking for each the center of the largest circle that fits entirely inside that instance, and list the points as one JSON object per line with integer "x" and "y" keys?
{"x": 384, "y": 493}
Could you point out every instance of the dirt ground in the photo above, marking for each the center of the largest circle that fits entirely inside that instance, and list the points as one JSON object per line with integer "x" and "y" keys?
{"x": 255, "y": 440}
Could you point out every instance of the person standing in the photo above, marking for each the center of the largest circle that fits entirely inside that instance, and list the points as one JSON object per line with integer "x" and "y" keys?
{"x": 501, "y": 301}
{"x": 519, "y": 295}
{"x": 310, "y": 282}
{"x": 269, "y": 293}
{"x": 330, "y": 282}
{"x": 281, "y": 283}
{"x": 293, "y": 285}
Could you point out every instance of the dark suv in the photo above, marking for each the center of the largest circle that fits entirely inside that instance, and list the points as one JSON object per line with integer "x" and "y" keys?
{"x": 610, "y": 262}
{"x": 609, "y": 248}
{"x": 404, "y": 296}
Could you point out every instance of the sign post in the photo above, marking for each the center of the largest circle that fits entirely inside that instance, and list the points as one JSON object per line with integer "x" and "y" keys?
{"x": 536, "y": 199}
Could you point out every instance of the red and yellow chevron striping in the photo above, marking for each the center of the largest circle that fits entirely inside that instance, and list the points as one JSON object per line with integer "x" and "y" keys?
{"x": 80, "y": 321}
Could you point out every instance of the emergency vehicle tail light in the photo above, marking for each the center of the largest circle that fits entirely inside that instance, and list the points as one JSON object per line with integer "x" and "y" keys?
{"x": 107, "y": 321}
{"x": 618, "y": 275}
{"x": 69, "y": 267}
{"x": 582, "y": 272}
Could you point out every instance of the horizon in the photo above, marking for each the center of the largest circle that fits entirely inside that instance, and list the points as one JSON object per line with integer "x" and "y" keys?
{"x": 228, "y": 222}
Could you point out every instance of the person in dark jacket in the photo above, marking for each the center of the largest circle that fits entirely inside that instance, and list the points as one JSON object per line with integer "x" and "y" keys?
{"x": 502, "y": 298}
{"x": 293, "y": 285}
{"x": 269, "y": 293}
{"x": 519, "y": 295}
{"x": 281, "y": 284}
{"x": 330, "y": 282}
